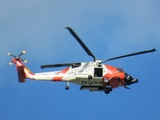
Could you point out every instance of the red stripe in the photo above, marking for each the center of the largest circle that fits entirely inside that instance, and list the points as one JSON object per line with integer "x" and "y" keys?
{"x": 62, "y": 72}
{"x": 58, "y": 78}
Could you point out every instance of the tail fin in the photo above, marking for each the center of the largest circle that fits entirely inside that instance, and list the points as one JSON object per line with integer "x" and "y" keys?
{"x": 22, "y": 70}
{"x": 21, "y": 74}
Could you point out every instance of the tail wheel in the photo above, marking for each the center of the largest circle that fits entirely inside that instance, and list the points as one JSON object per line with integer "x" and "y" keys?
{"x": 67, "y": 87}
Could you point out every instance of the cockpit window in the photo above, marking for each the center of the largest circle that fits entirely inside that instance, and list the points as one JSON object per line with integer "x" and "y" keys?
{"x": 119, "y": 70}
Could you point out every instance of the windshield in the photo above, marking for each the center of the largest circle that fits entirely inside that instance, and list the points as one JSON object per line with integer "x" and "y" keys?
{"x": 119, "y": 70}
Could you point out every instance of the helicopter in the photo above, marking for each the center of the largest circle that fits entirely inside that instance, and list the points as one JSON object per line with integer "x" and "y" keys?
{"x": 92, "y": 76}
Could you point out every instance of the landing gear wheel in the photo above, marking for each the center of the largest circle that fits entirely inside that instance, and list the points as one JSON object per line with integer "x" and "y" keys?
{"x": 108, "y": 90}
{"x": 67, "y": 87}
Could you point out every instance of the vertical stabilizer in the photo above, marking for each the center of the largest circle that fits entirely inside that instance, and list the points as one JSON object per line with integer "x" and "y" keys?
{"x": 22, "y": 70}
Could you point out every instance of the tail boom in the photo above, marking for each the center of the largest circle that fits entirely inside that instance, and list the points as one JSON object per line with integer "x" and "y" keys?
{"x": 24, "y": 73}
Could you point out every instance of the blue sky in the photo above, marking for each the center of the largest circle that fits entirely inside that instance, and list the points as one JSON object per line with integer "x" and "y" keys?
{"x": 108, "y": 28}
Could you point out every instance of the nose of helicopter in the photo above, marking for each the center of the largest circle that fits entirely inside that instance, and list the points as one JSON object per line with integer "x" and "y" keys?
{"x": 129, "y": 79}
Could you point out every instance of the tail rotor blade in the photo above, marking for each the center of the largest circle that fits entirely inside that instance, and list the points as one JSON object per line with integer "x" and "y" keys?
{"x": 23, "y": 52}
{"x": 10, "y": 54}
{"x": 25, "y": 61}
{"x": 10, "y": 63}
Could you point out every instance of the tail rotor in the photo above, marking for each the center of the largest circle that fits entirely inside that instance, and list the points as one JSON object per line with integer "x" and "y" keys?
{"x": 17, "y": 57}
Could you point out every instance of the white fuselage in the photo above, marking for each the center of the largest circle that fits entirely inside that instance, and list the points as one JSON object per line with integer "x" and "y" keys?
{"x": 80, "y": 74}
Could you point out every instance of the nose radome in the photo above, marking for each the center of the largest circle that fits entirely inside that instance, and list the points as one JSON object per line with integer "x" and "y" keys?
{"x": 129, "y": 79}
{"x": 134, "y": 80}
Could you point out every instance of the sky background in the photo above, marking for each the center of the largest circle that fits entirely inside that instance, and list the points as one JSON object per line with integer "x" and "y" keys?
{"x": 109, "y": 28}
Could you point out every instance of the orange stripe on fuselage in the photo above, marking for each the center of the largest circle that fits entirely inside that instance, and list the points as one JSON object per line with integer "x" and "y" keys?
{"x": 59, "y": 78}
{"x": 59, "y": 75}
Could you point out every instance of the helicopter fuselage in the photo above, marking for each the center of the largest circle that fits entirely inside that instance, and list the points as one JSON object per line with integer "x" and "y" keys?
{"x": 89, "y": 75}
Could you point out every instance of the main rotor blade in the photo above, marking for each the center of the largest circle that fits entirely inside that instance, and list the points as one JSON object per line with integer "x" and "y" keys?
{"x": 132, "y": 54}
{"x": 81, "y": 43}
{"x": 60, "y": 65}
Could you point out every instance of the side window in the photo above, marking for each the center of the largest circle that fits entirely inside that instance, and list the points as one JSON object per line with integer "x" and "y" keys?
{"x": 98, "y": 72}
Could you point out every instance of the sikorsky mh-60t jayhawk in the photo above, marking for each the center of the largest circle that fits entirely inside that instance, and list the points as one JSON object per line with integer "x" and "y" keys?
{"x": 92, "y": 76}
